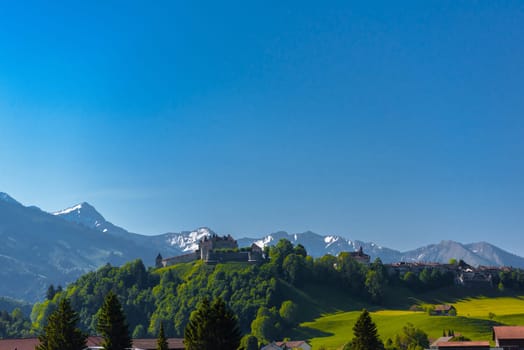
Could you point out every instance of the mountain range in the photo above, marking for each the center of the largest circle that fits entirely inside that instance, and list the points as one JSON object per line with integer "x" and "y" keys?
{"x": 41, "y": 248}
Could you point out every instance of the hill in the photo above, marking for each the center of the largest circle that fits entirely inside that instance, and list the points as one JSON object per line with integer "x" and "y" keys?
{"x": 324, "y": 295}
{"x": 43, "y": 248}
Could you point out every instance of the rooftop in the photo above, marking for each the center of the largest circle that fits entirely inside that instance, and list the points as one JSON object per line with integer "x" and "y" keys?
{"x": 463, "y": 344}
{"x": 508, "y": 332}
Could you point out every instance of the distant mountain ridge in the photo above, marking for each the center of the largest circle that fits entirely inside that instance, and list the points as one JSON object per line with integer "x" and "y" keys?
{"x": 480, "y": 253}
{"x": 41, "y": 248}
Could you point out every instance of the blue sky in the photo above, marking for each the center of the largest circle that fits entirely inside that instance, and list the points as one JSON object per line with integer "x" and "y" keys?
{"x": 399, "y": 123}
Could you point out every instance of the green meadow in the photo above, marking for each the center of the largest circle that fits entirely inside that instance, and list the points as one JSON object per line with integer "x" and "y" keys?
{"x": 475, "y": 316}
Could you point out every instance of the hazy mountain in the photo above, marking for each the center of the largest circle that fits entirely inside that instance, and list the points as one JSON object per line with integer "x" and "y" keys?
{"x": 318, "y": 245}
{"x": 40, "y": 248}
{"x": 84, "y": 214}
{"x": 474, "y": 253}
{"x": 444, "y": 251}
{"x": 495, "y": 255}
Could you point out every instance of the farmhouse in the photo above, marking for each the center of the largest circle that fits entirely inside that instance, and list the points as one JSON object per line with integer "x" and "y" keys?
{"x": 444, "y": 310}
{"x": 463, "y": 345}
{"x": 509, "y": 337}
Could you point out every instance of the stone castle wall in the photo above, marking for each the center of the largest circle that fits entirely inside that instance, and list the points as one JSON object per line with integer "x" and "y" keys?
{"x": 180, "y": 259}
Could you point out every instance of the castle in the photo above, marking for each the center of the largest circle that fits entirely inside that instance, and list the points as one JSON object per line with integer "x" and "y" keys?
{"x": 215, "y": 249}
{"x": 360, "y": 256}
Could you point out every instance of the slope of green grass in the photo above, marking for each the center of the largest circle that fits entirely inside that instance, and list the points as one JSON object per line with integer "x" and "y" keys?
{"x": 337, "y": 328}
{"x": 336, "y": 314}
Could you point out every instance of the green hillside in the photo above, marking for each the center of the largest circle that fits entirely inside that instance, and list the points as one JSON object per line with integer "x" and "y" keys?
{"x": 291, "y": 295}
{"x": 475, "y": 318}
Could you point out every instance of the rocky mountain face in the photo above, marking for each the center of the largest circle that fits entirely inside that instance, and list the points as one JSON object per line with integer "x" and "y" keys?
{"x": 40, "y": 248}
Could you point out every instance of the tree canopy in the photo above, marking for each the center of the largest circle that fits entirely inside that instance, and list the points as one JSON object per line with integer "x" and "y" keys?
{"x": 411, "y": 338}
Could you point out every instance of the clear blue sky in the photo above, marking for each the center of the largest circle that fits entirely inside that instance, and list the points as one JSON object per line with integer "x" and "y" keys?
{"x": 399, "y": 123}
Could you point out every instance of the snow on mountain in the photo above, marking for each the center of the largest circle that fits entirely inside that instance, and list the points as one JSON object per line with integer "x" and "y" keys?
{"x": 188, "y": 241}
{"x": 318, "y": 245}
{"x": 70, "y": 210}
{"x": 86, "y": 215}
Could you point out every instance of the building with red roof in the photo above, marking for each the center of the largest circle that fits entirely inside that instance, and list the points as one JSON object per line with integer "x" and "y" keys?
{"x": 463, "y": 345}
{"x": 509, "y": 337}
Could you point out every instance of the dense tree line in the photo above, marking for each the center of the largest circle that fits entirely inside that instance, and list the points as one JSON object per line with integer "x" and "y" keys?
{"x": 14, "y": 324}
{"x": 426, "y": 280}
{"x": 513, "y": 279}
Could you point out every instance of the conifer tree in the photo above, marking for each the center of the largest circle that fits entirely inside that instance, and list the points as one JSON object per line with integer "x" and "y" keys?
{"x": 161, "y": 340}
{"x": 212, "y": 327}
{"x": 61, "y": 332}
{"x": 112, "y": 324}
{"x": 365, "y": 334}
{"x": 50, "y": 292}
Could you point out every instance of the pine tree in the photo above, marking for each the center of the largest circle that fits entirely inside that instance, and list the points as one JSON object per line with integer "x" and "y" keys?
{"x": 50, "y": 292}
{"x": 61, "y": 332}
{"x": 212, "y": 327}
{"x": 365, "y": 334}
{"x": 112, "y": 324}
{"x": 162, "y": 341}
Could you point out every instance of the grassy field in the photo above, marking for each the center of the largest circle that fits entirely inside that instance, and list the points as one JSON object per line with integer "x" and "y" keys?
{"x": 475, "y": 318}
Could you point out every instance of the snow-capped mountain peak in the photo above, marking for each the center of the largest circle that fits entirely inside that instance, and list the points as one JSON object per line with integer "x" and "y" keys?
{"x": 82, "y": 213}
{"x": 85, "y": 214}
{"x": 188, "y": 241}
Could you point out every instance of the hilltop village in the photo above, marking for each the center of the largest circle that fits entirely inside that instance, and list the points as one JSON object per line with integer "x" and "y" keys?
{"x": 219, "y": 249}
{"x": 464, "y": 274}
